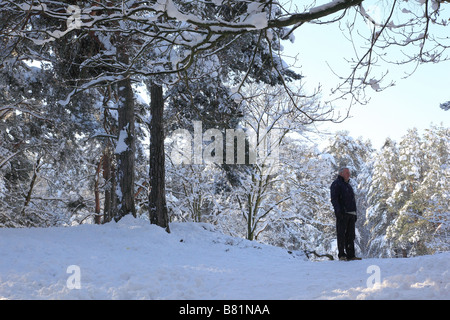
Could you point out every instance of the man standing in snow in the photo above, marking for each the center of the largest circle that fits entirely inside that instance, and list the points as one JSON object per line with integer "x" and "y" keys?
{"x": 344, "y": 203}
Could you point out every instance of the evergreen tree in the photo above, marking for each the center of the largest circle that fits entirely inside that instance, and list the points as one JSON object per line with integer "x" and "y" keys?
{"x": 45, "y": 175}
{"x": 380, "y": 213}
{"x": 422, "y": 223}
{"x": 411, "y": 170}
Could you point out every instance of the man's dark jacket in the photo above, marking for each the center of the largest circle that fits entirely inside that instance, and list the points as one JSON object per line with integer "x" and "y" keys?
{"x": 342, "y": 197}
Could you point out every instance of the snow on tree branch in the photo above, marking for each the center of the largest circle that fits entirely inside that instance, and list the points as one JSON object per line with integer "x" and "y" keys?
{"x": 168, "y": 34}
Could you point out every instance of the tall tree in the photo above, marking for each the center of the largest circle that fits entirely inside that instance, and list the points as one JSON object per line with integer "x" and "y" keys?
{"x": 419, "y": 194}
{"x": 126, "y": 146}
{"x": 157, "y": 199}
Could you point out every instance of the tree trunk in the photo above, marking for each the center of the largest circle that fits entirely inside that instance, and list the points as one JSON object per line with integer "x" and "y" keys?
{"x": 157, "y": 198}
{"x": 126, "y": 145}
{"x": 109, "y": 178}
{"x": 97, "y": 216}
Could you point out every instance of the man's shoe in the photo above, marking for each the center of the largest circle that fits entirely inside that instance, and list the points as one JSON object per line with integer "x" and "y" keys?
{"x": 354, "y": 258}
{"x": 342, "y": 258}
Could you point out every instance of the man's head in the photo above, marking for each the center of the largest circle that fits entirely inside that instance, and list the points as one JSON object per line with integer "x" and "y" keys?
{"x": 345, "y": 173}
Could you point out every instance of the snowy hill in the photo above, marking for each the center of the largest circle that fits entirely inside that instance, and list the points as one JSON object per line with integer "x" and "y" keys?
{"x": 135, "y": 260}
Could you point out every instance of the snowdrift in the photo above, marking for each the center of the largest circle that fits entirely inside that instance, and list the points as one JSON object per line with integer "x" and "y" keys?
{"x": 135, "y": 260}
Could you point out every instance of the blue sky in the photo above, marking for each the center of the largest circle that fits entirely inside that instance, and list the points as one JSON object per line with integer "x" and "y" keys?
{"x": 412, "y": 102}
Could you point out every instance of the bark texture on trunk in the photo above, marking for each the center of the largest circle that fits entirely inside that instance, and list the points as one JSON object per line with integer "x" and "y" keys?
{"x": 126, "y": 148}
{"x": 157, "y": 198}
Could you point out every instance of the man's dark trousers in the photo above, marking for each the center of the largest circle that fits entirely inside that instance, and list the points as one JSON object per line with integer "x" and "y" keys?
{"x": 345, "y": 228}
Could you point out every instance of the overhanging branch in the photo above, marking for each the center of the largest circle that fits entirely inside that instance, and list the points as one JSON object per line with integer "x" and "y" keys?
{"x": 314, "y": 13}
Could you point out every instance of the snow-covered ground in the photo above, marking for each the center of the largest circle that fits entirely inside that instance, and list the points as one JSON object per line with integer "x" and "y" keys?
{"x": 135, "y": 260}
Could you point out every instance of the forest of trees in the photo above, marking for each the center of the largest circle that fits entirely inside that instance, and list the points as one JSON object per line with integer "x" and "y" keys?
{"x": 91, "y": 92}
